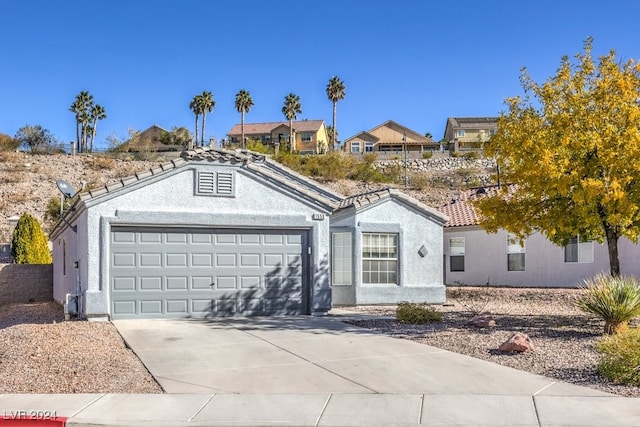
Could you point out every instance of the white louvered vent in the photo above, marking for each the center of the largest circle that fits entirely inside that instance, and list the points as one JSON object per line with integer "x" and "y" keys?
{"x": 225, "y": 183}
{"x": 206, "y": 183}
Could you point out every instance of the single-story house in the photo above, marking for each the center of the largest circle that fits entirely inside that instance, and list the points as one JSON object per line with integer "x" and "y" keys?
{"x": 475, "y": 257}
{"x": 218, "y": 232}
{"x": 390, "y": 137}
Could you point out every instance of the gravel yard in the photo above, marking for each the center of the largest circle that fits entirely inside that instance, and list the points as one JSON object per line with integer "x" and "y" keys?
{"x": 563, "y": 336}
{"x": 41, "y": 353}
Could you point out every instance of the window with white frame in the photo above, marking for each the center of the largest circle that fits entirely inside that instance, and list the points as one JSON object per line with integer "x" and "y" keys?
{"x": 460, "y": 133}
{"x": 355, "y": 147}
{"x": 341, "y": 256}
{"x": 456, "y": 254}
{"x": 379, "y": 258}
{"x": 368, "y": 147}
{"x": 306, "y": 136}
{"x": 578, "y": 250}
{"x": 515, "y": 253}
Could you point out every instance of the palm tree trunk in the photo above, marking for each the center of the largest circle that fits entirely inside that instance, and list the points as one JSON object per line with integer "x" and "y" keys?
{"x": 204, "y": 121}
{"x": 333, "y": 138}
{"x": 196, "y": 141}
{"x": 77, "y": 135}
{"x": 291, "y": 140}
{"x": 242, "y": 127}
{"x": 93, "y": 134}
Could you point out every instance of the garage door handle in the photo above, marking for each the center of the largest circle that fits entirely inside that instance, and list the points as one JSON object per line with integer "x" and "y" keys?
{"x": 212, "y": 284}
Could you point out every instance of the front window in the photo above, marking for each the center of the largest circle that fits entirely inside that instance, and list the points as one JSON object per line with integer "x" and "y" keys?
{"x": 460, "y": 133}
{"x": 515, "y": 253}
{"x": 305, "y": 137}
{"x": 456, "y": 254}
{"x": 379, "y": 258}
{"x": 368, "y": 147}
{"x": 341, "y": 254}
{"x": 578, "y": 251}
{"x": 355, "y": 147}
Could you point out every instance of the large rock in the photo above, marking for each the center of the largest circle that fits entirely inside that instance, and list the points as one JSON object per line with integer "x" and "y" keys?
{"x": 518, "y": 342}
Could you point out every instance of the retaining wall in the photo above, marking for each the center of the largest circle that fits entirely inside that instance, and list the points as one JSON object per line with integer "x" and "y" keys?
{"x": 24, "y": 283}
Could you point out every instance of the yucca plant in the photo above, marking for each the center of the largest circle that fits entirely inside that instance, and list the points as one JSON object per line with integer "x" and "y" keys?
{"x": 615, "y": 299}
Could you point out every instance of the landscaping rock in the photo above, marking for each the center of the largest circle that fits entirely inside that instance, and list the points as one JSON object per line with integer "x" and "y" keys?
{"x": 483, "y": 320}
{"x": 518, "y": 342}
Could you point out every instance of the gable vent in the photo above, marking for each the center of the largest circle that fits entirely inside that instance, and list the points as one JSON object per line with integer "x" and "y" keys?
{"x": 206, "y": 183}
{"x": 212, "y": 183}
{"x": 225, "y": 183}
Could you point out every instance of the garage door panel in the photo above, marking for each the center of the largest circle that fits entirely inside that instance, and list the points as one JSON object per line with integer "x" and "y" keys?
{"x": 177, "y": 283}
{"x": 253, "y": 273}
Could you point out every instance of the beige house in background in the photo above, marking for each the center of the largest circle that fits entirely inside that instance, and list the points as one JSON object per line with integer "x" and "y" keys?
{"x": 469, "y": 133}
{"x": 310, "y": 135}
{"x": 389, "y": 137}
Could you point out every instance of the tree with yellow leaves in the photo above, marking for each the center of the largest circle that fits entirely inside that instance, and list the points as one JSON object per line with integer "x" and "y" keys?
{"x": 570, "y": 151}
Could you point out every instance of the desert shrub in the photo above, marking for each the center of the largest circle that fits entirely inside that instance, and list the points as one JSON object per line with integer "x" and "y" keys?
{"x": 8, "y": 143}
{"x": 365, "y": 170}
{"x": 614, "y": 299}
{"x": 258, "y": 147}
{"x": 102, "y": 163}
{"x": 331, "y": 166}
{"x": 456, "y": 154}
{"x": 408, "y": 312}
{"x": 53, "y": 209}
{"x": 420, "y": 181}
{"x": 427, "y": 154}
{"x": 291, "y": 160}
{"x": 471, "y": 155}
{"x": 620, "y": 357}
{"x": 29, "y": 244}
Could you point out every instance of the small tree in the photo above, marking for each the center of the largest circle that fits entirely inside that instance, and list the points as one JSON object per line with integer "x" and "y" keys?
{"x": 29, "y": 244}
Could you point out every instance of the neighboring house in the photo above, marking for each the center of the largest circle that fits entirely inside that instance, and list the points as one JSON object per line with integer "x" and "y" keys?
{"x": 475, "y": 257}
{"x": 149, "y": 141}
{"x": 218, "y": 232}
{"x": 389, "y": 137}
{"x": 469, "y": 133}
{"x": 310, "y": 135}
{"x": 386, "y": 248}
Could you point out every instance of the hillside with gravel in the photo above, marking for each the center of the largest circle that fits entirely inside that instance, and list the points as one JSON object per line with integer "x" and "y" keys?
{"x": 28, "y": 181}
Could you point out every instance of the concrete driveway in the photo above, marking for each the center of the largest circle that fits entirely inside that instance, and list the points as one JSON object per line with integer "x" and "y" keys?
{"x": 301, "y": 354}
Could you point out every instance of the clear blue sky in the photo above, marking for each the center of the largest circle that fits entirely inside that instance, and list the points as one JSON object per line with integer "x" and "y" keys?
{"x": 413, "y": 61}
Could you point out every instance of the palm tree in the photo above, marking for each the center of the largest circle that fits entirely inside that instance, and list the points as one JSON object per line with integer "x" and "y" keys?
{"x": 335, "y": 92}
{"x": 206, "y": 106}
{"x": 195, "y": 106}
{"x": 291, "y": 109}
{"x": 96, "y": 113}
{"x": 244, "y": 102}
{"x": 81, "y": 107}
{"x": 331, "y": 135}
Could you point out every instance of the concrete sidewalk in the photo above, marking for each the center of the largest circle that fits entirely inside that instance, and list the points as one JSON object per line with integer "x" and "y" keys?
{"x": 305, "y": 371}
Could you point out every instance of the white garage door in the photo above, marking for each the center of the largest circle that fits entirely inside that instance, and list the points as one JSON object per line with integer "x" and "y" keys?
{"x": 203, "y": 272}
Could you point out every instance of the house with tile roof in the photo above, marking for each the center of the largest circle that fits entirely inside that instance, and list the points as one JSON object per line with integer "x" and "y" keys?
{"x": 310, "y": 136}
{"x": 475, "y": 257}
{"x": 221, "y": 233}
{"x": 469, "y": 133}
{"x": 389, "y": 137}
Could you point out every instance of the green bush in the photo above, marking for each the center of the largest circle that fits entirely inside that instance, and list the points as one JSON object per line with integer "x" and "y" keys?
{"x": 417, "y": 313}
{"x": 331, "y": 166}
{"x": 257, "y": 146}
{"x": 29, "y": 244}
{"x": 53, "y": 209}
{"x": 471, "y": 155}
{"x": 620, "y": 357}
{"x": 614, "y": 299}
{"x": 427, "y": 154}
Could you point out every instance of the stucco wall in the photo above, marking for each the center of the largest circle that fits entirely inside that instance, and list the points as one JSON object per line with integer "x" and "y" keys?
{"x": 24, "y": 283}
{"x": 170, "y": 200}
{"x": 486, "y": 261}
{"x": 420, "y": 278}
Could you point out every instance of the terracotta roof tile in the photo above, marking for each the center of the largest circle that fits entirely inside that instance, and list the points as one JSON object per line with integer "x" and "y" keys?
{"x": 461, "y": 211}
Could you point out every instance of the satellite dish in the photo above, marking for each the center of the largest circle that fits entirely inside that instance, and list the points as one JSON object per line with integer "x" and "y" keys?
{"x": 65, "y": 188}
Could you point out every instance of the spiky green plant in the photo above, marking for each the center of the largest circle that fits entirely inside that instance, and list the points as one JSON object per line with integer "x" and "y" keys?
{"x": 615, "y": 299}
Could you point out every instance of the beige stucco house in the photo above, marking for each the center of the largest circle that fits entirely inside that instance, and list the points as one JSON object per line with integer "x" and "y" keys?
{"x": 310, "y": 135}
{"x": 469, "y": 133}
{"x": 389, "y": 137}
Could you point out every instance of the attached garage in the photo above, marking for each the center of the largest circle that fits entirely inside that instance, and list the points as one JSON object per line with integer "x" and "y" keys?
{"x": 202, "y": 272}
{"x": 214, "y": 233}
